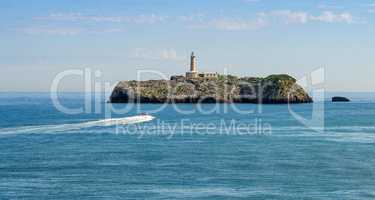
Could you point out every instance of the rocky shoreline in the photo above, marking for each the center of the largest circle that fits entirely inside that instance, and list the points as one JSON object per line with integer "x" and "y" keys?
{"x": 274, "y": 89}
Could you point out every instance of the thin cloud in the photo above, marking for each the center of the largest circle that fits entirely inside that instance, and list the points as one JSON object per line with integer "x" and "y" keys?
{"x": 289, "y": 17}
{"x": 324, "y": 6}
{"x": 66, "y": 31}
{"x": 193, "y": 21}
{"x": 51, "y": 31}
{"x": 331, "y": 17}
{"x": 196, "y": 17}
{"x": 155, "y": 54}
{"x": 229, "y": 24}
{"x": 79, "y": 17}
{"x": 238, "y": 24}
{"x": 302, "y": 17}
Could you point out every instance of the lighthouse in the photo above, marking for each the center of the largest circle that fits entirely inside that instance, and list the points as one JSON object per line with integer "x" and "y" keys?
{"x": 193, "y": 63}
{"x": 193, "y": 73}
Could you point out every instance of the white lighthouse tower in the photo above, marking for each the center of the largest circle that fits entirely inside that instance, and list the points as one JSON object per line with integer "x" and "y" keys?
{"x": 193, "y": 73}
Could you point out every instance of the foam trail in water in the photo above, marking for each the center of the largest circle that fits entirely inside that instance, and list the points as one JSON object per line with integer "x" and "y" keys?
{"x": 68, "y": 127}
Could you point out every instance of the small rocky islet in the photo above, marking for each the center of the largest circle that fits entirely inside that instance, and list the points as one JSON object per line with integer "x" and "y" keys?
{"x": 274, "y": 89}
{"x": 340, "y": 99}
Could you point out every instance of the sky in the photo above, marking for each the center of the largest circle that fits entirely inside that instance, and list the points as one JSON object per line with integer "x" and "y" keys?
{"x": 40, "y": 39}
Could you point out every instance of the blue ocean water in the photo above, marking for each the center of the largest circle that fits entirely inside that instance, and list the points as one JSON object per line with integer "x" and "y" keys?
{"x": 269, "y": 154}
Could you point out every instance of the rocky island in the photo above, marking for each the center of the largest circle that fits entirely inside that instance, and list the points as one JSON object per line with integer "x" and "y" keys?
{"x": 340, "y": 99}
{"x": 211, "y": 88}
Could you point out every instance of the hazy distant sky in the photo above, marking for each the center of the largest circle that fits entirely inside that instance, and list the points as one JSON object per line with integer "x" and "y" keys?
{"x": 39, "y": 39}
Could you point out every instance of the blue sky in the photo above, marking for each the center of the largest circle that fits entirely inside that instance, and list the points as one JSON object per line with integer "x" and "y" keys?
{"x": 39, "y": 39}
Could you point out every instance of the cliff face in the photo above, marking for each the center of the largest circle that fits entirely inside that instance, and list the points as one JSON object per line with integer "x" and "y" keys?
{"x": 274, "y": 89}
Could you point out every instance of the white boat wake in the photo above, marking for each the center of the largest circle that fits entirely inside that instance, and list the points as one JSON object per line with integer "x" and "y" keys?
{"x": 76, "y": 126}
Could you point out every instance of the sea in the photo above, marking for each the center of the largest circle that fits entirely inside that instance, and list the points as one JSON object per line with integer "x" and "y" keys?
{"x": 63, "y": 148}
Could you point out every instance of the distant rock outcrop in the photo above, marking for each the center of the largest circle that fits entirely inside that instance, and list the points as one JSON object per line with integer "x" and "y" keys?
{"x": 340, "y": 99}
{"x": 274, "y": 89}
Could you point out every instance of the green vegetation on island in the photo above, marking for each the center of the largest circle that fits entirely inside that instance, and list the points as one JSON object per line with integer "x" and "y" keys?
{"x": 273, "y": 89}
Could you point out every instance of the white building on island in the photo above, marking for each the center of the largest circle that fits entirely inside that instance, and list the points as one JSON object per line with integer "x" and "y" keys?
{"x": 193, "y": 73}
